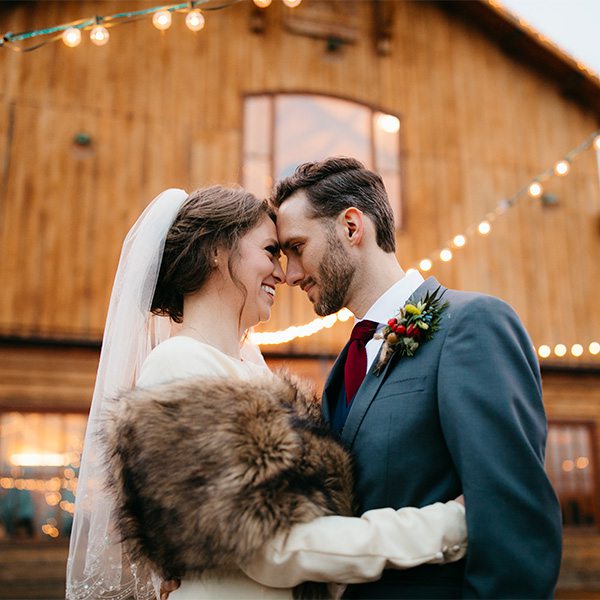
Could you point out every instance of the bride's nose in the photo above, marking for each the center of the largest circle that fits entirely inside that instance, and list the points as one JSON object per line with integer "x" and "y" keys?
{"x": 278, "y": 272}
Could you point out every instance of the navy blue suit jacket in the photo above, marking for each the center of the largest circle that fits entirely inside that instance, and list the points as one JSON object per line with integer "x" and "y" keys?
{"x": 464, "y": 415}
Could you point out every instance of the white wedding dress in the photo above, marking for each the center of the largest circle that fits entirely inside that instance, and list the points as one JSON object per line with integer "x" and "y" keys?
{"x": 339, "y": 549}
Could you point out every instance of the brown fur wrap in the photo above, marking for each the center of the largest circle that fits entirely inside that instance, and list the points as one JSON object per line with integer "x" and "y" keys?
{"x": 205, "y": 471}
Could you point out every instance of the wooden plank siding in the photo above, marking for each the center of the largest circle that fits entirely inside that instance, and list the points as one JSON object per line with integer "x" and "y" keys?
{"x": 165, "y": 109}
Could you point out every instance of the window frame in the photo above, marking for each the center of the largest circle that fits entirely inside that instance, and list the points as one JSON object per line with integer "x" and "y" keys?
{"x": 398, "y": 205}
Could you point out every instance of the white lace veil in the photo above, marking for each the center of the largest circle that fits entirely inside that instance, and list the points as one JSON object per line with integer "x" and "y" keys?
{"x": 97, "y": 566}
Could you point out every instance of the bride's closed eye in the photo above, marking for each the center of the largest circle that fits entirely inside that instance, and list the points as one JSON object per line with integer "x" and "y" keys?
{"x": 273, "y": 250}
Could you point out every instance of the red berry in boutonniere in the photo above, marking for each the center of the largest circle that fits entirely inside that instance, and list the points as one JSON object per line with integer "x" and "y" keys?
{"x": 414, "y": 325}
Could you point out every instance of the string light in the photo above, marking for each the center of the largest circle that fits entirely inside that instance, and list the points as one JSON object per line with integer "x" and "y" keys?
{"x": 597, "y": 142}
{"x": 536, "y": 189}
{"x": 459, "y": 241}
{"x": 577, "y": 350}
{"x": 99, "y": 35}
{"x": 594, "y": 348}
{"x": 544, "y": 351}
{"x": 195, "y": 20}
{"x": 292, "y": 3}
{"x": 562, "y": 167}
{"x": 446, "y": 255}
{"x": 262, "y": 3}
{"x": 425, "y": 264}
{"x": 560, "y": 349}
{"x": 162, "y": 20}
{"x": 484, "y": 228}
{"x": 71, "y": 37}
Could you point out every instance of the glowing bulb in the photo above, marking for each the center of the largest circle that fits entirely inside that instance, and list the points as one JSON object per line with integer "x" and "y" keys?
{"x": 560, "y": 349}
{"x": 71, "y": 37}
{"x": 389, "y": 123}
{"x": 536, "y": 190}
{"x": 594, "y": 348}
{"x": 597, "y": 142}
{"x": 194, "y": 20}
{"x": 568, "y": 465}
{"x": 344, "y": 314}
{"x": 582, "y": 462}
{"x": 162, "y": 20}
{"x": 262, "y": 3}
{"x": 484, "y": 228}
{"x": 576, "y": 349}
{"x": 99, "y": 35}
{"x": 292, "y": 3}
{"x": 562, "y": 167}
{"x": 446, "y": 255}
{"x": 544, "y": 351}
{"x": 459, "y": 241}
{"x": 425, "y": 264}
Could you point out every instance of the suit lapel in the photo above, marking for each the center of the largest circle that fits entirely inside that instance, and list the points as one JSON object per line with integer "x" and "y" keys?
{"x": 372, "y": 382}
{"x": 333, "y": 379}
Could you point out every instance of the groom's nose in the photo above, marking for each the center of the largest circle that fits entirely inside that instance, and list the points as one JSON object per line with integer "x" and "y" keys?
{"x": 293, "y": 272}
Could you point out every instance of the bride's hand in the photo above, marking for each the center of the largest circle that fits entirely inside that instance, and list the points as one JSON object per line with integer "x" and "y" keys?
{"x": 460, "y": 500}
{"x": 166, "y": 587}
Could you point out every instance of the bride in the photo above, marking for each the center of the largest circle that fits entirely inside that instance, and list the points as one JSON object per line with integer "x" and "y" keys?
{"x": 196, "y": 272}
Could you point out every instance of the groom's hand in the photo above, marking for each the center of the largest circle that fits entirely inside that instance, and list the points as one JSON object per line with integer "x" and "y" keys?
{"x": 166, "y": 587}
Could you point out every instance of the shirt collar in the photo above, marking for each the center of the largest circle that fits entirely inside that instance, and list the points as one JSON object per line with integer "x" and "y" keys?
{"x": 388, "y": 304}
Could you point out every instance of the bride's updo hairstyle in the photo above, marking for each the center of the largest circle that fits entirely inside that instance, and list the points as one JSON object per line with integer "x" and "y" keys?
{"x": 211, "y": 218}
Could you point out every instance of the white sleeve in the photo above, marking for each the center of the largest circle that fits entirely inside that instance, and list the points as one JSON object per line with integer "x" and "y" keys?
{"x": 354, "y": 550}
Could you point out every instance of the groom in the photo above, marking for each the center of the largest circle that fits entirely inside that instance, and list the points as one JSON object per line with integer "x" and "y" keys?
{"x": 464, "y": 414}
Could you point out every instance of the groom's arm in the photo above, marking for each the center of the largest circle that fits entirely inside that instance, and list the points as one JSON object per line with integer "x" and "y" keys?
{"x": 494, "y": 424}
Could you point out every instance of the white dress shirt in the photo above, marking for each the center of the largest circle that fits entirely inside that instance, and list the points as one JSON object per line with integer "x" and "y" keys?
{"x": 387, "y": 306}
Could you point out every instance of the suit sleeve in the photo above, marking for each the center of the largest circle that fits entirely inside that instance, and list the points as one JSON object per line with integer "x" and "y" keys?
{"x": 493, "y": 420}
{"x": 357, "y": 549}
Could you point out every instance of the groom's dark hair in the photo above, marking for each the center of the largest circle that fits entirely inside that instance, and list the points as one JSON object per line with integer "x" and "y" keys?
{"x": 338, "y": 183}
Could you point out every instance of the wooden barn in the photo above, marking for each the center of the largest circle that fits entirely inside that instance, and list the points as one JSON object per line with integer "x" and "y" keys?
{"x": 457, "y": 104}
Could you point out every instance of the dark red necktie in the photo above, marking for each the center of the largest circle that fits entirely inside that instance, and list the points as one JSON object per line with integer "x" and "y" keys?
{"x": 356, "y": 358}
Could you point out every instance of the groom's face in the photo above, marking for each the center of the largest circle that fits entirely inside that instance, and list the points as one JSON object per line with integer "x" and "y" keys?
{"x": 317, "y": 260}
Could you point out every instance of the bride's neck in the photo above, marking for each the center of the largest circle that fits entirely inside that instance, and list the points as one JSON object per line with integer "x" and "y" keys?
{"x": 214, "y": 320}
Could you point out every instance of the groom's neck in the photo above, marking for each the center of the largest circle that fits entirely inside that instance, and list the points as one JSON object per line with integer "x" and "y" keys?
{"x": 374, "y": 276}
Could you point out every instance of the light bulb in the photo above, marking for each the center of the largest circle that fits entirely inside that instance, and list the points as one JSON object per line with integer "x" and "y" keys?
{"x": 594, "y": 348}
{"x": 536, "y": 190}
{"x": 162, "y": 20}
{"x": 446, "y": 255}
{"x": 560, "y": 349}
{"x": 262, "y": 3}
{"x": 71, "y": 37}
{"x": 292, "y": 3}
{"x": 459, "y": 241}
{"x": 194, "y": 20}
{"x": 99, "y": 35}
{"x": 597, "y": 142}
{"x": 484, "y": 228}
{"x": 425, "y": 264}
{"x": 562, "y": 167}
{"x": 544, "y": 351}
{"x": 576, "y": 349}
{"x": 389, "y": 123}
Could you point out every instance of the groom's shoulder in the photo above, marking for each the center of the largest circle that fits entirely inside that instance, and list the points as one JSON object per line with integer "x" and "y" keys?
{"x": 476, "y": 302}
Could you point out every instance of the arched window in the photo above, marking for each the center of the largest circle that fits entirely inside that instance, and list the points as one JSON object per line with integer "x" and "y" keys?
{"x": 283, "y": 130}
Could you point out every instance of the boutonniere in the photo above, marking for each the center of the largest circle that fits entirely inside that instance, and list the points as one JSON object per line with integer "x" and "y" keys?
{"x": 414, "y": 325}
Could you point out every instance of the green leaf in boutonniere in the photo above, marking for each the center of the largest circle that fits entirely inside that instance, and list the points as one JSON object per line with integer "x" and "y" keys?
{"x": 414, "y": 325}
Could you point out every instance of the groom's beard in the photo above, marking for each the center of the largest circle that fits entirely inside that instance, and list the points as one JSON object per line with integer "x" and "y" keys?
{"x": 335, "y": 275}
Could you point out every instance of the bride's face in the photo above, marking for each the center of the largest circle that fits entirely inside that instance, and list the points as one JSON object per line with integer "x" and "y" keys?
{"x": 258, "y": 269}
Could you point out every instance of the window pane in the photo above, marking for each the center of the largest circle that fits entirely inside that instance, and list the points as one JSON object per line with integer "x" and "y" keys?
{"x": 570, "y": 466}
{"x": 314, "y": 127}
{"x": 39, "y": 464}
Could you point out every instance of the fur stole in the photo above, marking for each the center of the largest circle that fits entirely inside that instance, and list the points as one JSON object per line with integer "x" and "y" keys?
{"x": 205, "y": 471}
